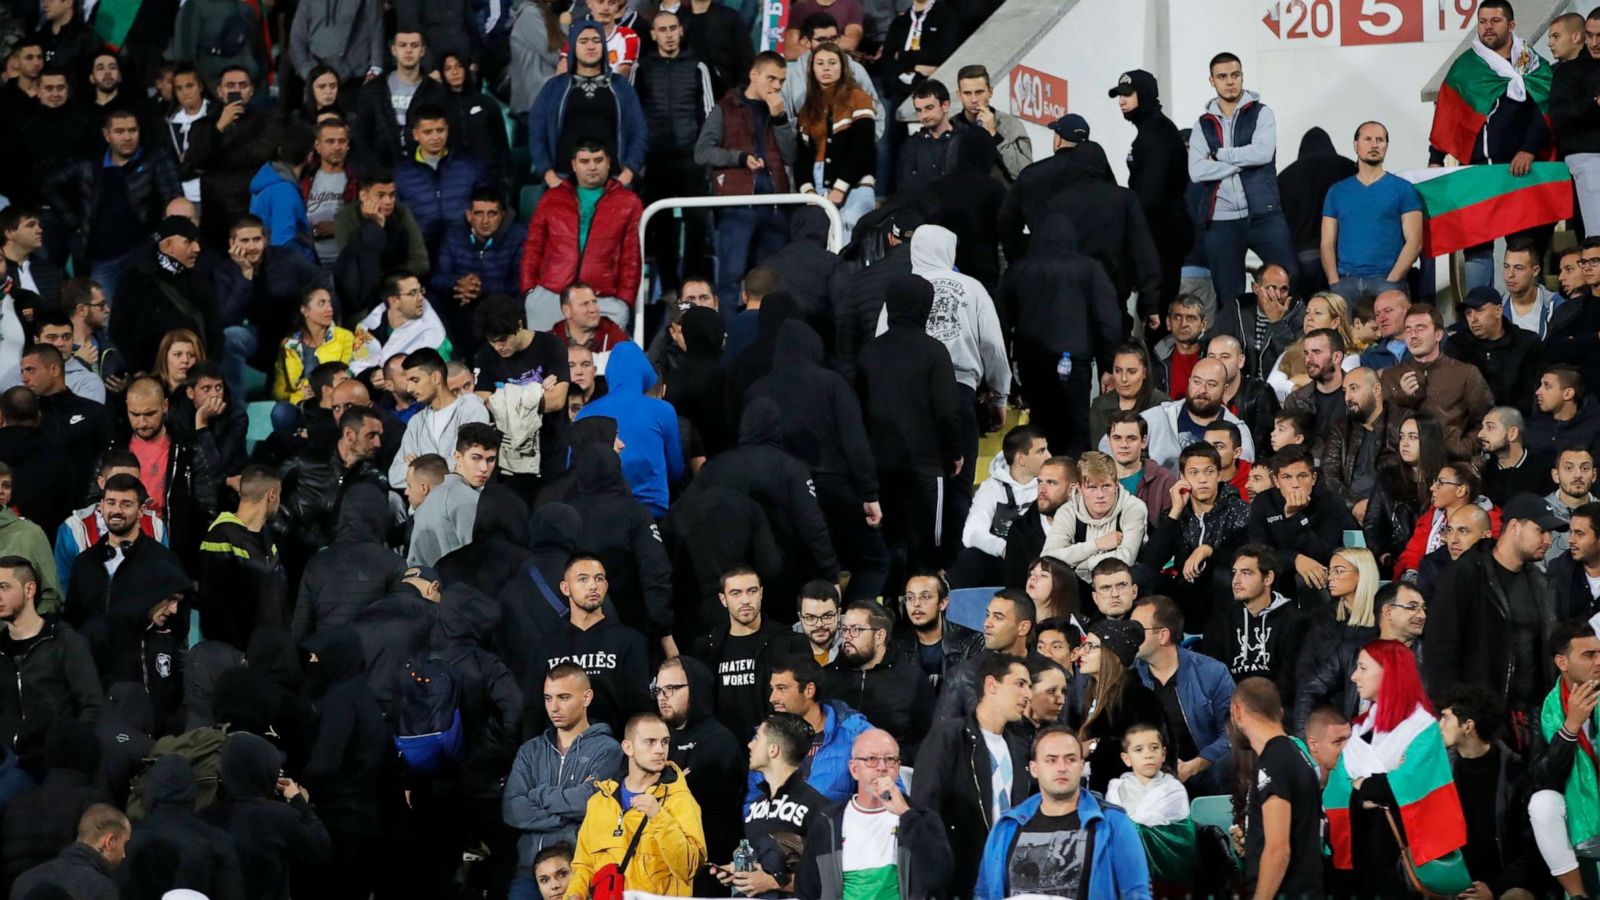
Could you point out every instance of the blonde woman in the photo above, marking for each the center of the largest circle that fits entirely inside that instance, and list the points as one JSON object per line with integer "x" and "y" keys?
{"x": 1324, "y": 310}
{"x": 1335, "y": 636}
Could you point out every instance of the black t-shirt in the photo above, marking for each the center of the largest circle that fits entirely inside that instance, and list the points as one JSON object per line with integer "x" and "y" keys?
{"x": 931, "y": 658}
{"x": 1283, "y": 771}
{"x": 740, "y": 700}
{"x": 1330, "y": 409}
{"x": 1525, "y": 628}
{"x": 1478, "y": 782}
{"x": 16, "y": 648}
{"x": 1180, "y": 740}
{"x": 545, "y": 356}
{"x": 1050, "y": 857}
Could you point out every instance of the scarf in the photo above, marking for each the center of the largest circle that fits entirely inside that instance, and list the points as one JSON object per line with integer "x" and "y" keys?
{"x": 1582, "y": 789}
{"x": 1522, "y": 61}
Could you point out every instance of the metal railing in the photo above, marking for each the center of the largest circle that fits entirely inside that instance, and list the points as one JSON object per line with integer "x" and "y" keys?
{"x": 835, "y": 231}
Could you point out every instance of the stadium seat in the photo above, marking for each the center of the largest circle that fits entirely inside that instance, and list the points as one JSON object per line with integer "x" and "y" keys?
{"x": 968, "y": 606}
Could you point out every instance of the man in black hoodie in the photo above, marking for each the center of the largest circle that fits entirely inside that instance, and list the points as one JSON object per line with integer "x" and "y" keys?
{"x": 1110, "y": 221}
{"x": 609, "y": 652}
{"x": 806, "y": 269}
{"x": 1303, "y": 185}
{"x": 356, "y": 569}
{"x": 531, "y": 604}
{"x": 859, "y": 292}
{"x": 1058, "y": 301}
{"x": 908, "y": 393}
{"x": 709, "y": 531}
{"x": 624, "y": 537}
{"x": 269, "y": 832}
{"x": 822, "y": 426}
{"x": 890, "y": 689}
{"x": 1158, "y": 172}
{"x": 142, "y": 634}
{"x": 761, "y": 469}
{"x": 706, "y": 751}
{"x": 345, "y": 765}
{"x": 208, "y": 860}
{"x": 41, "y": 821}
{"x": 393, "y": 628}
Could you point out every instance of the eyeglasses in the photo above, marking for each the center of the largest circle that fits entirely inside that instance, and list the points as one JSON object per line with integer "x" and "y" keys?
{"x": 1116, "y": 588}
{"x": 878, "y": 762}
{"x": 918, "y": 599}
{"x": 1586, "y": 263}
{"x": 1087, "y": 647}
{"x": 666, "y": 690}
{"x": 1440, "y": 482}
{"x": 1411, "y": 607}
{"x": 851, "y": 631}
{"x": 1340, "y": 570}
{"x": 810, "y": 619}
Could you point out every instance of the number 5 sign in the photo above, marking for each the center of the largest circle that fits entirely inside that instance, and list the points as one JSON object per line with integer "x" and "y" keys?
{"x": 1348, "y": 23}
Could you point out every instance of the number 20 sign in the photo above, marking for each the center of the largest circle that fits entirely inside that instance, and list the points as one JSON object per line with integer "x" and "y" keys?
{"x": 1355, "y": 23}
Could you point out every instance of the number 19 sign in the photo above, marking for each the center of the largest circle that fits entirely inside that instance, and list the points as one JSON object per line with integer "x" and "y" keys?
{"x": 1357, "y": 23}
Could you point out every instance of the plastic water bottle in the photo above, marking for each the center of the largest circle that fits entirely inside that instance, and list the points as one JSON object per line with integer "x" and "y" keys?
{"x": 1064, "y": 367}
{"x": 744, "y": 860}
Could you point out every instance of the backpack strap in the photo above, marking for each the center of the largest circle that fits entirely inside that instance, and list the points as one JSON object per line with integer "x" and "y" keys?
{"x": 550, "y": 596}
{"x": 1082, "y": 532}
{"x": 1011, "y": 499}
{"x": 633, "y": 845}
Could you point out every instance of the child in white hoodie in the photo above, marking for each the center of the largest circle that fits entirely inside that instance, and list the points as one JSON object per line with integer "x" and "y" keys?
{"x": 1151, "y": 797}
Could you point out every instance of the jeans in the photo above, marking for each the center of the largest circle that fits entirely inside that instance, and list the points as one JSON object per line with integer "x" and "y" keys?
{"x": 857, "y": 203}
{"x": 746, "y": 235}
{"x": 1228, "y": 241}
{"x": 1478, "y": 267}
{"x": 1352, "y": 287}
{"x": 240, "y": 345}
{"x": 108, "y": 273}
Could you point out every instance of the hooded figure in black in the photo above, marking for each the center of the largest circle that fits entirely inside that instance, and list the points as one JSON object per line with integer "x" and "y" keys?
{"x": 858, "y": 293}
{"x": 594, "y": 431}
{"x": 204, "y": 664}
{"x": 499, "y": 544}
{"x": 1059, "y": 301}
{"x": 141, "y": 639}
{"x": 391, "y": 630}
{"x": 267, "y": 832}
{"x": 806, "y": 268}
{"x": 695, "y": 388}
{"x": 761, "y": 469}
{"x": 40, "y": 822}
{"x": 1303, "y": 185}
{"x": 707, "y": 532}
{"x": 1158, "y": 173}
{"x": 531, "y": 604}
{"x": 1111, "y": 226}
{"x": 619, "y": 530}
{"x": 208, "y": 861}
{"x": 356, "y": 569}
{"x": 754, "y": 362}
{"x": 124, "y": 728}
{"x": 967, "y": 201}
{"x": 822, "y": 425}
{"x": 909, "y": 397}
{"x": 347, "y": 757}
{"x": 709, "y": 755}
{"x": 460, "y": 806}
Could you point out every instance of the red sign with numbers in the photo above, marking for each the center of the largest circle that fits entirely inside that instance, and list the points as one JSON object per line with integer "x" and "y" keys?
{"x": 1381, "y": 22}
{"x": 1358, "y": 23}
{"x": 1037, "y": 96}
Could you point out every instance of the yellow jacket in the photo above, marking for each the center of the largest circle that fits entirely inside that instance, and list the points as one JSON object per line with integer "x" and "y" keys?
{"x": 289, "y": 373}
{"x": 672, "y": 849}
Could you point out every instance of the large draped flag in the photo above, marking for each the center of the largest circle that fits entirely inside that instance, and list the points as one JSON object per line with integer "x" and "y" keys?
{"x": 1471, "y": 205}
{"x": 1475, "y": 83}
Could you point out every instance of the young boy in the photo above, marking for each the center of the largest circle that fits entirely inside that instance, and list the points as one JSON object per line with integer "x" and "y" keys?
{"x": 1151, "y": 797}
{"x": 1364, "y": 323}
{"x": 552, "y": 869}
{"x": 1292, "y": 428}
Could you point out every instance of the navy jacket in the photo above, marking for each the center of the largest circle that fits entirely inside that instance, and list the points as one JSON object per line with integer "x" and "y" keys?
{"x": 496, "y": 262}
{"x": 1205, "y": 688}
{"x": 438, "y": 196}
{"x": 550, "y": 108}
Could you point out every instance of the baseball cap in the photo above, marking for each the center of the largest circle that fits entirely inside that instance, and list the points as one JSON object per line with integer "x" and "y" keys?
{"x": 1480, "y": 296}
{"x": 1136, "y": 81}
{"x": 1071, "y": 127}
{"x": 1532, "y": 509}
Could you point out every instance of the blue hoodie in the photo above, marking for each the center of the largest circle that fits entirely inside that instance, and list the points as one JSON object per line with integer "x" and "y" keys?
{"x": 829, "y": 771}
{"x": 1117, "y": 869}
{"x": 275, "y": 199}
{"x": 550, "y": 107}
{"x": 652, "y": 454}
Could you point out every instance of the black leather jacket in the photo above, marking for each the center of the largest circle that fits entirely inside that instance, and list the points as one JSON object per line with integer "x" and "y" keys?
{"x": 1327, "y": 660}
{"x": 311, "y": 491}
{"x": 958, "y": 642}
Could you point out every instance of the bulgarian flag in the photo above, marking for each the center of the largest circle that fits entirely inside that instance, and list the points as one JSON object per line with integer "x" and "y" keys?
{"x": 1471, "y": 205}
{"x": 1413, "y": 758}
{"x": 1475, "y": 83}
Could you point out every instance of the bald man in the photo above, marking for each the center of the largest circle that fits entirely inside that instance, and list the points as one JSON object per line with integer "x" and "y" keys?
{"x": 353, "y": 393}
{"x": 180, "y": 469}
{"x": 1389, "y": 308}
{"x": 1354, "y": 446}
{"x": 1462, "y": 531}
{"x": 1247, "y": 396}
{"x": 1179, "y": 423}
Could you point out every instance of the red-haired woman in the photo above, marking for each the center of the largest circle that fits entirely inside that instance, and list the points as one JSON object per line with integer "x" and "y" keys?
{"x": 1395, "y": 764}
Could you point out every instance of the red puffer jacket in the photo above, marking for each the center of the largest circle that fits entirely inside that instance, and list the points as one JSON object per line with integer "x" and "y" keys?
{"x": 610, "y": 260}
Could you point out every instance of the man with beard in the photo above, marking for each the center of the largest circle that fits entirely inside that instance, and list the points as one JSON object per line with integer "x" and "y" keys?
{"x": 1575, "y": 573}
{"x": 47, "y": 661}
{"x": 1260, "y": 632}
{"x": 776, "y": 824}
{"x": 937, "y": 645}
{"x": 1178, "y": 423}
{"x": 1057, "y": 479}
{"x": 819, "y": 619}
{"x": 1323, "y": 395}
{"x": 181, "y": 474}
{"x": 1573, "y": 473}
{"x": 1371, "y": 223}
{"x": 889, "y": 690}
{"x": 705, "y": 750}
{"x": 1511, "y": 469}
{"x": 1508, "y": 357}
{"x": 121, "y": 557}
{"x": 742, "y": 650}
{"x": 609, "y": 652}
{"x": 1355, "y": 446}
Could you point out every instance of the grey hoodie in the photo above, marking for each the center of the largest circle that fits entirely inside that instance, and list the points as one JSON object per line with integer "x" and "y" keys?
{"x": 444, "y": 521}
{"x": 344, "y": 34}
{"x": 963, "y": 316}
{"x": 548, "y": 791}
